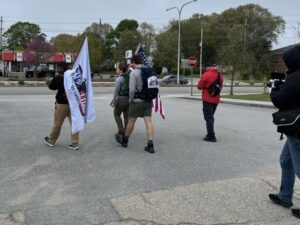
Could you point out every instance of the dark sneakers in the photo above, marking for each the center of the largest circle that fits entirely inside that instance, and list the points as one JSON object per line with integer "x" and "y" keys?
{"x": 296, "y": 213}
{"x": 149, "y": 148}
{"x": 210, "y": 139}
{"x": 275, "y": 198}
{"x": 119, "y": 138}
{"x": 124, "y": 142}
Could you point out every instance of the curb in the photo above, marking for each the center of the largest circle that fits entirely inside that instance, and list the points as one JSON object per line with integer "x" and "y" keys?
{"x": 237, "y": 102}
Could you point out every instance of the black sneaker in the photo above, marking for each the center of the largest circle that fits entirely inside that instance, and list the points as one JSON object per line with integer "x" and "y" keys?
{"x": 296, "y": 213}
{"x": 149, "y": 148}
{"x": 73, "y": 147}
{"x": 275, "y": 198}
{"x": 47, "y": 142}
{"x": 119, "y": 138}
{"x": 124, "y": 142}
{"x": 210, "y": 139}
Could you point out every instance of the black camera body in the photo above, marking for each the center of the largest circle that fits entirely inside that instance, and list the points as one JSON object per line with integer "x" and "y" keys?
{"x": 277, "y": 79}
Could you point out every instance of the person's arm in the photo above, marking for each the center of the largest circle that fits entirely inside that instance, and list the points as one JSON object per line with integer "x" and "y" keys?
{"x": 54, "y": 83}
{"x": 118, "y": 85}
{"x": 202, "y": 82}
{"x": 283, "y": 96}
{"x": 132, "y": 85}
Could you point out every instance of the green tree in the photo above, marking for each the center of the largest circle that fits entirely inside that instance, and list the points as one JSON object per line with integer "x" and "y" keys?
{"x": 247, "y": 35}
{"x": 148, "y": 36}
{"x": 126, "y": 24}
{"x": 19, "y": 34}
{"x": 99, "y": 30}
{"x": 129, "y": 40}
{"x": 166, "y": 50}
{"x": 66, "y": 43}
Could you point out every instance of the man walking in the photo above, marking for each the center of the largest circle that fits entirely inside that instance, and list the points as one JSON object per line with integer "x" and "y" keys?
{"x": 210, "y": 102}
{"x": 120, "y": 100}
{"x": 137, "y": 106}
{"x": 62, "y": 110}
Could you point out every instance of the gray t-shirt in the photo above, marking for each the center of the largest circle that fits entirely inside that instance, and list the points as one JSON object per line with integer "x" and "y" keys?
{"x": 135, "y": 84}
{"x": 118, "y": 86}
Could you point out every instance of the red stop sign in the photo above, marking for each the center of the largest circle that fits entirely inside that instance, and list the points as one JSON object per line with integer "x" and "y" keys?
{"x": 192, "y": 61}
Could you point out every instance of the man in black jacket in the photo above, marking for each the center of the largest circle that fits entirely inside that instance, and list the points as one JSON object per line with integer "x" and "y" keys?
{"x": 62, "y": 110}
{"x": 287, "y": 97}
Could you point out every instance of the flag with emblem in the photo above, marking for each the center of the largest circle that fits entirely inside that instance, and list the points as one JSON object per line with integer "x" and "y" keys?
{"x": 78, "y": 87}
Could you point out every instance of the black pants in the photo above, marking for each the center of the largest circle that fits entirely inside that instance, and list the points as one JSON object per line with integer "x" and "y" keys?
{"x": 208, "y": 112}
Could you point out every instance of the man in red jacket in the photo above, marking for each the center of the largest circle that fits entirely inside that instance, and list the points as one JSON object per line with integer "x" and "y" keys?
{"x": 210, "y": 103}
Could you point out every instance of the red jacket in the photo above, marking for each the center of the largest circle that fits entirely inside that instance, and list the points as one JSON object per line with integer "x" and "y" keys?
{"x": 207, "y": 78}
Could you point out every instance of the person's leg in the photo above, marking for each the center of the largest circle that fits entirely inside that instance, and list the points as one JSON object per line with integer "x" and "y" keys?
{"x": 129, "y": 129}
{"x": 208, "y": 112}
{"x": 150, "y": 131}
{"x": 74, "y": 137}
{"x": 60, "y": 113}
{"x": 287, "y": 174}
{"x": 294, "y": 145}
{"x": 117, "y": 116}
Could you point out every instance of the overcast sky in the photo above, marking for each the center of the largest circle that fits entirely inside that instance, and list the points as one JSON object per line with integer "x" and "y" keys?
{"x": 73, "y": 16}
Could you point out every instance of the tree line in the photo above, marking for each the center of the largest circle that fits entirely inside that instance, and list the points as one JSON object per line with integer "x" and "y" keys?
{"x": 240, "y": 38}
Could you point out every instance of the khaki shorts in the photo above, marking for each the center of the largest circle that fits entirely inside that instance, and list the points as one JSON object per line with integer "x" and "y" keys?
{"x": 140, "y": 109}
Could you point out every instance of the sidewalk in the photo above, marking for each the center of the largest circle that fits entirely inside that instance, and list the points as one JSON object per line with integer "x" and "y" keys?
{"x": 233, "y": 201}
{"x": 226, "y": 202}
{"x": 231, "y": 101}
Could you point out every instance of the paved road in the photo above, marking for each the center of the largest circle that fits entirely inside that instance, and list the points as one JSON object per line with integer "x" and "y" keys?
{"x": 59, "y": 186}
{"x": 108, "y": 90}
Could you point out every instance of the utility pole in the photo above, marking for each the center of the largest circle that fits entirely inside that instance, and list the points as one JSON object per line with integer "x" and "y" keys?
{"x": 1, "y": 22}
{"x": 100, "y": 35}
{"x": 201, "y": 47}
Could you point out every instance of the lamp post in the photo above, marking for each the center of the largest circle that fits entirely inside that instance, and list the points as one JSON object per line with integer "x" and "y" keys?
{"x": 179, "y": 16}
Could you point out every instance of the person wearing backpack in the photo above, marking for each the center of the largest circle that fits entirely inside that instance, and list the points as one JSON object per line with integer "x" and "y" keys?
{"x": 138, "y": 105}
{"x": 210, "y": 83}
{"x": 120, "y": 101}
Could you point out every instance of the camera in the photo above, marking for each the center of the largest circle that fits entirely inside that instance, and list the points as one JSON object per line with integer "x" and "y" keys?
{"x": 277, "y": 79}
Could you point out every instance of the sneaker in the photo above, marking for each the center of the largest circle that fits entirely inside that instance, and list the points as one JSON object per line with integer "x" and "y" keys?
{"x": 296, "y": 213}
{"x": 73, "y": 147}
{"x": 210, "y": 139}
{"x": 47, "y": 142}
{"x": 124, "y": 142}
{"x": 275, "y": 199}
{"x": 119, "y": 138}
{"x": 149, "y": 148}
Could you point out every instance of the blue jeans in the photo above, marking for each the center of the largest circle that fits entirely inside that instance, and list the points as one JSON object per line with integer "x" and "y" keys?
{"x": 208, "y": 112}
{"x": 290, "y": 166}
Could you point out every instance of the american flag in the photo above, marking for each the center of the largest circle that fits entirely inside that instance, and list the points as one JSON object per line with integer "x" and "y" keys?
{"x": 157, "y": 104}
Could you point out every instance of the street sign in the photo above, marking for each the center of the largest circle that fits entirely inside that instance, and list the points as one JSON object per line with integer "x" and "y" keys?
{"x": 192, "y": 61}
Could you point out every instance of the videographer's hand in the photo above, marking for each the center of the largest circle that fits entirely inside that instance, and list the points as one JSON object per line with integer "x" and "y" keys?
{"x": 276, "y": 85}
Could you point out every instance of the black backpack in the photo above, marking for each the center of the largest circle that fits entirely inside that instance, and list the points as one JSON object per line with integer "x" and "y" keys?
{"x": 125, "y": 87}
{"x": 150, "y": 85}
{"x": 215, "y": 88}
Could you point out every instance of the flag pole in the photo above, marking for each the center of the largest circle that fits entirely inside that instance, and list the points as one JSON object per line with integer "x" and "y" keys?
{"x": 137, "y": 49}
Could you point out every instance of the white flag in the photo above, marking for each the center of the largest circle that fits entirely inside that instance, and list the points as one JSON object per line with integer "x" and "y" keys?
{"x": 78, "y": 86}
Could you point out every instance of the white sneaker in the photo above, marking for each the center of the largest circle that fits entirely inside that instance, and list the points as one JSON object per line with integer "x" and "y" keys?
{"x": 73, "y": 147}
{"x": 47, "y": 142}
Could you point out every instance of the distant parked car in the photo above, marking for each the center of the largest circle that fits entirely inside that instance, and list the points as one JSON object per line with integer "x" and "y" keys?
{"x": 172, "y": 79}
{"x": 41, "y": 70}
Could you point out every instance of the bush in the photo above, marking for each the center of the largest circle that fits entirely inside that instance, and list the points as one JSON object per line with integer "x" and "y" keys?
{"x": 21, "y": 82}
